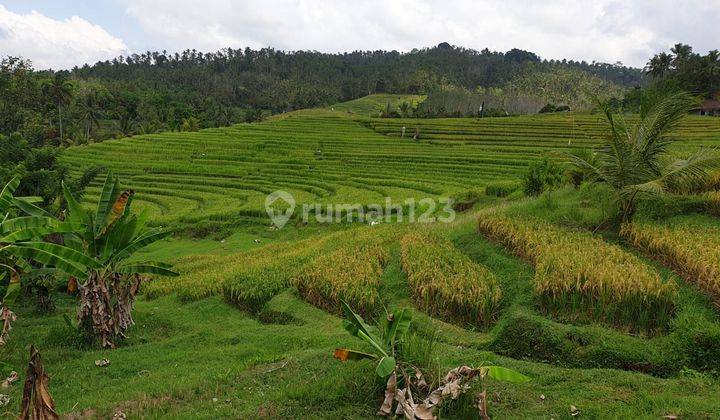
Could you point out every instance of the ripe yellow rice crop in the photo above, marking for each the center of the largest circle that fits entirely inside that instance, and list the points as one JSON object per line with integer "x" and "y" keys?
{"x": 714, "y": 202}
{"x": 351, "y": 273}
{"x": 582, "y": 278}
{"x": 348, "y": 269}
{"x": 249, "y": 279}
{"x": 446, "y": 282}
{"x": 693, "y": 250}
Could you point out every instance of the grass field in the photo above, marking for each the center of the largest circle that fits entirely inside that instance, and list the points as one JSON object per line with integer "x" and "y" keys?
{"x": 619, "y": 326}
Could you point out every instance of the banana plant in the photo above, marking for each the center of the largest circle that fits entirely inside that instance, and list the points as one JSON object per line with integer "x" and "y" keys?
{"x": 111, "y": 235}
{"x": 404, "y": 379}
{"x": 395, "y": 326}
{"x": 23, "y": 251}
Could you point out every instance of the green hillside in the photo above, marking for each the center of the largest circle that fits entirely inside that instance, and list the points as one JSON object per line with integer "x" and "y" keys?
{"x": 606, "y": 323}
{"x": 323, "y": 156}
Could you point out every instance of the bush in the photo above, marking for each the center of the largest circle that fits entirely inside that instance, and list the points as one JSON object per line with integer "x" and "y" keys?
{"x": 502, "y": 188}
{"x": 465, "y": 201}
{"x": 547, "y": 109}
{"x": 542, "y": 176}
{"x": 253, "y": 115}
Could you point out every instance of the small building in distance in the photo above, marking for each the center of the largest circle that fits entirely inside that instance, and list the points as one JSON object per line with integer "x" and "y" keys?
{"x": 709, "y": 107}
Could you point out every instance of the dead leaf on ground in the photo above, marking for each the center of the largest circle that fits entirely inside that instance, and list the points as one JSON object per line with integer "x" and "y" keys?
{"x": 574, "y": 411}
{"x": 102, "y": 363}
{"x": 386, "y": 407}
{"x": 7, "y": 317}
{"x": 420, "y": 382}
{"x": 4, "y": 400}
{"x": 119, "y": 416}
{"x": 10, "y": 380}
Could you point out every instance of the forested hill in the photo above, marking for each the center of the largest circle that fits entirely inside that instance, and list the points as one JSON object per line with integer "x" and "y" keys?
{"x": 279, "y": 80}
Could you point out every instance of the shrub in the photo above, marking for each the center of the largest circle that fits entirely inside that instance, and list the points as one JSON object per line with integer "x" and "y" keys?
{"x": 465, "y": 201}
{"x": 581, "y": 278}
{"x": 547, "y": 109}
{"x": 542, "y": 176}
{"x": 446, "y": 282}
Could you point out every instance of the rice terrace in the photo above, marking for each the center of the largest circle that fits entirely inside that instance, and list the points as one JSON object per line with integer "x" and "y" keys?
{"x": 436, "y": 233}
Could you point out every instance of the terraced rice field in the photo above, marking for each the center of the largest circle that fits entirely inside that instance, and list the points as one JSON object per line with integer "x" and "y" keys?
{"x": 690, "y": 245}
{"x": 350, "y": 273}
{"x": 332, "y": 156}
{"x": 223, "y": 175}
{"x": 579, "y": 277}
{"x": 446, "y": 282}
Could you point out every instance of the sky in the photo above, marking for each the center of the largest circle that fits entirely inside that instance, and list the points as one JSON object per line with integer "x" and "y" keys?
{"x": 62, "y": 34}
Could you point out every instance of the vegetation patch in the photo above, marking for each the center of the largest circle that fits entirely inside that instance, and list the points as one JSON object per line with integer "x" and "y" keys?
{"x": 524, "y": 335}
{"x": 691, "y": 247}
{"x": 502, "y": 188}
{"x": 351, "y": 273}
{"x": 446, "y": 282}
{"x": 581, "y": 278}
{"x": 714, "y": 203}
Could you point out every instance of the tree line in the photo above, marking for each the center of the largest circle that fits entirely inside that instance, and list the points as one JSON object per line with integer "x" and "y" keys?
{"x": 684, "y": 69}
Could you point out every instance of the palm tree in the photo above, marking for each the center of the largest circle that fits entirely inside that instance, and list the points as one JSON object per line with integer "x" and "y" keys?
{"x": 682, "y": 53}
{"x": 659, "y": 65}
{"x": 60, "y": 90}
{"x": 635, "y": 160}
{"x": 89, "y": 107}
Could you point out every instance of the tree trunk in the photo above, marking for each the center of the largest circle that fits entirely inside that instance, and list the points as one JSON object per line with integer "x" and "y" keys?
{"x": 106, "y": 304}
{"x": 59, "y": 107}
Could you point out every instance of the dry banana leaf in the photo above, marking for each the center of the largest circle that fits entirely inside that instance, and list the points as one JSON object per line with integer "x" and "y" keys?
{"x": 482, "y": 405}
{"x": 7, "y": 317}
{"x": 387, "y": 405}
{"x": 10, "y": 380}
{"x": 37, "y": 404}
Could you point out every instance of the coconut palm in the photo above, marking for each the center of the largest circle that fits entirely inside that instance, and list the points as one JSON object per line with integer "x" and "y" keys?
{"x": 635, "y": 159}
{"x": 60, "y": 90}
{"x": 90, "y": 108}
{"x": 659, "y": 65}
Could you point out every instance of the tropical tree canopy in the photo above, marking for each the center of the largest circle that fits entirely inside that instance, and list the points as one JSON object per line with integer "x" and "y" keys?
{"x": 635, "y": 159}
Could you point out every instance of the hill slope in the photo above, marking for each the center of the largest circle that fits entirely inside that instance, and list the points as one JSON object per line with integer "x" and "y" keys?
{"x": 324, "y": 156}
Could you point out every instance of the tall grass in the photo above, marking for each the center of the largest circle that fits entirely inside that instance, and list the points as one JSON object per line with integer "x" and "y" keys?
{"x": 581, "y": 278}
{"x": 446, "y": 282}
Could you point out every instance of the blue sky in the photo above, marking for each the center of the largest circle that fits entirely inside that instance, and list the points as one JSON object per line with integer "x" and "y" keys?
{"x": 61, "y": 34}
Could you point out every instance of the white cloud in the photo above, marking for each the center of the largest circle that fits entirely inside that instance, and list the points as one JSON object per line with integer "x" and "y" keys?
{"x": 57, "y": 44}
{"x": 602, "y": 30}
